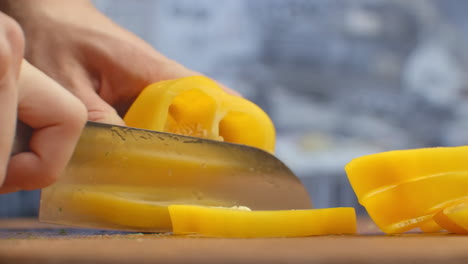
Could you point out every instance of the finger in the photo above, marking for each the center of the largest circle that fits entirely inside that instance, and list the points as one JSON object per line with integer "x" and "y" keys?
{"x": 121, "y": 84}
{"x": 11, "y": 53}
{"x": 98, "y": 109}
{"x": 72, "y": 75}
{"x": 57, "y": 118}
{"x": 8, "y": 99}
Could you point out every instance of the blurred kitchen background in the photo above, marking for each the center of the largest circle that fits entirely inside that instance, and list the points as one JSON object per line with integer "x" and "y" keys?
{"x": 340, "y": 79}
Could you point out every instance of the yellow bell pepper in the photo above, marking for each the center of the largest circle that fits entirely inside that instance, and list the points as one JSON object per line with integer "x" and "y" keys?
{"x": 454, "y": 218}
{"x": 232, "y": 222}
{"x": 430, "y": 226}
{"x": 124, "y": 207}
{"x": 197, "y": 106}
{"x": 404, "y": 189}
{"x": 121, "y": 210}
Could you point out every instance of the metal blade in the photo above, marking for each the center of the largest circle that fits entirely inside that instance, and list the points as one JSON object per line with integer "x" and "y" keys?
{"x": 141, "y": 167}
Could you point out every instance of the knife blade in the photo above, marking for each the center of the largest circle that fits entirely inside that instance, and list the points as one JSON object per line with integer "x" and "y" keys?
{"x": 120, "y": 174}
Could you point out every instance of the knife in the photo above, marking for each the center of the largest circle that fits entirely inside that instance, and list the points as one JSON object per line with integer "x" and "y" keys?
{"x": 123, "y": 178}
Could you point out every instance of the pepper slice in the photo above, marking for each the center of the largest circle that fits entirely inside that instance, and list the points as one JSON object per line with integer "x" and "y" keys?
{"x": 454, "y": 218}
{"x": 430, "y": 226}
{"x": 370, "y": 173}
{"x": 120, "y": 209}
{"x": 405, "y": 206}
{"x": 124, "y": 207}
{"x": 232, "y": 222}
{"x": 403, "y": 189}
{"x": 197, "y": 106}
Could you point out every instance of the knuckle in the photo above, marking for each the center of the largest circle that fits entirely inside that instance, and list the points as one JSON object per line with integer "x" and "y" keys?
{"x": 97, "y": 115}
{"x": 12, "y": 43}
{"x": 106, "y": 114}
{"x": 13, "y": 36}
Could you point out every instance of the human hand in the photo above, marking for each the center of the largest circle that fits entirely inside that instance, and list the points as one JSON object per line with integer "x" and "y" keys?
{"x": 98, "y": 61}
{"x": 55, "y": 115}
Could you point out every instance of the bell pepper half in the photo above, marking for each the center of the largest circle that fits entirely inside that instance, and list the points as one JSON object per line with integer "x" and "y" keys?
{"x": 197, "y": 106}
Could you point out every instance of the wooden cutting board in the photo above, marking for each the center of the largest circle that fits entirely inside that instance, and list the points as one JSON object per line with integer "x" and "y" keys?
{"x": 28, "y": 241}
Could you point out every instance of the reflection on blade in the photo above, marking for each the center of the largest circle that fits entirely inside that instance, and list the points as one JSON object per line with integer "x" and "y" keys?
{"x": 123, "y": 178}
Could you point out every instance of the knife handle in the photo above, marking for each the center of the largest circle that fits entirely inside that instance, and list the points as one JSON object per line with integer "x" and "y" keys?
{"x": 22, "y": 136}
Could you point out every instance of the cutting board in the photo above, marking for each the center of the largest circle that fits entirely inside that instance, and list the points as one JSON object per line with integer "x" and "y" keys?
{"x": 28, "y": 241}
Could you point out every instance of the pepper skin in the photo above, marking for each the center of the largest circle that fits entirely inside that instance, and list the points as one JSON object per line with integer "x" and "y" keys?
{"x": 197, "y": 106}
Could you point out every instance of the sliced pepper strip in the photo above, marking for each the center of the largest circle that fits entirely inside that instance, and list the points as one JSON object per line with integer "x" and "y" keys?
{"x": 454, "y": 218}
{"x": 402, "y": 190}
{"x": 197, "y": 106}
{"x": 121, "y": 211}
{"x": 370, "y": 173}
{"x": 125, "y": 207}
{"x": 430, "y": 226}
{"x": 406, "y": 206}
{"x": 228, "y": 222}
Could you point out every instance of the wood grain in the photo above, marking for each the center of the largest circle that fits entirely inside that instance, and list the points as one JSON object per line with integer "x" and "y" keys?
{"x": 27, "y": 241}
